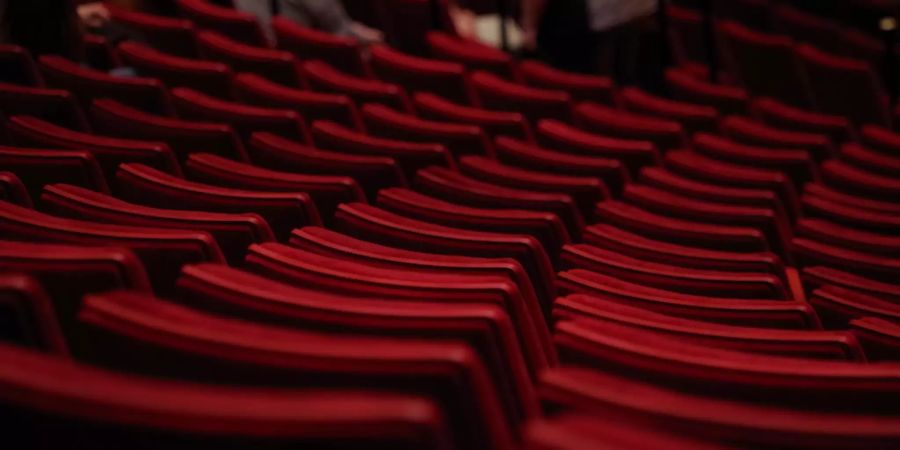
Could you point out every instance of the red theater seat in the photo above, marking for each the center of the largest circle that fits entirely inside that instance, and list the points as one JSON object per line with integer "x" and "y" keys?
{"x": 326, "y": 190}
{"x": 372, "y": 173}
{"x": 306, "y": 43}
{"x": 245, "y": 119}
{"x": 715, "y": 283}
{"x": 228, "y": 21}
{"x": 586, "y": 191}
{"x": 147, "y": 94}
{"x": 115, "y": 410}
{"x": 213, "y": 349}
{"x": 609, "y": 121}
{"x": 880, "y": 338}
{"x": 494, "y": 123}
{"x": 37, "y": 168}
{"x": 13, "y": 190}
{"x": 834, "y": 345}
{"x": 18, "y": 66}
{"x": 276, "y": 65}
{"x": 749, "y": 131}
{"x": 163, "y": 252}
{"x": 705, "y": 418}
{"x": 255, "y": 90}
{"x": 454, "y": 187}
{"x": 817, "y": 276}
{"x": 233, "y": 232}
{"x": 776, "y": 113}
{"x": 632, "y": 153}
{"x": 377, "y": 225}
{"x": 28, "y": 315}
{"x": 828, "y": 386}
{"x": 748, "y": 313}
{"x": 688, "y": 88}
{"x": 168, "y": 34}
{"x": 411, "y": 156}
{"x": 798, "y": 165}
{"x": 213, "y": 78}
{"x": 183, "y": 136}
{"x": 630, "y": 244}
{"x": 473, "y": 56}
{"x": 323, "y": 77}
{"x": 492, "y": 92}
{"x": 837, "y": 306}
{"x": 545, "y": 227}
{"x": 416, "y": 74}
{"x": 692, "y": 116}
{"x": 57, "y": 106}
{"x": 459, "y": 139}
{"x": 580, "y": 86}
{"x": 283, "y": 209}
{"x": 109, "y": 152}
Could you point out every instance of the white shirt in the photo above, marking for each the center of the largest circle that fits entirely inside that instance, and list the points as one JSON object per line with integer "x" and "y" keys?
{"x": 607, "y": 14}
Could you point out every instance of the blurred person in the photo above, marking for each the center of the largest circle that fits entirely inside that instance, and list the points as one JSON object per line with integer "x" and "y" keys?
{"x": 587, "y": 36}
{"x": 324, "y": 15}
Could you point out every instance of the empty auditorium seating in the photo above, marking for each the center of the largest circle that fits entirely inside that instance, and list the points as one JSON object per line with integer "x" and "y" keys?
{"x": 750, "y": 313}
{"x": 411, "y": 156}
{"x": 674, "y": 278}
{"x": 454, "y": 187}
{"x": 276, "y": 65}
{"x": 341, "y": 52}
{"x": 36, "y": 168}
{"x": 472, "y": 55}
{"x": 323, "y": 77}
{"x": 283, "y": 209}
{"x": 844, "y": 86}
{"x": 776, "y": 113}
{"x": 228, "y": 21}
{"x": 751, "y": 132}
{"x": 87, "y": 84}
{"x": 256, "y": 90}
{"x": 494, "y": 123}
{"x": 213, "y": 78}
{"x": 704, "y": 418}
{"x": 448, "y": 373}
{"x": 459, "y": 139}
{"x": 443, "y": 78}
{"x": 183, "y": 136}
{"x": 523, "y": 154}
{"x": 372, "y": 173}
{"x": 764, "y": 63}
{"x": 579, "y": 86}
{"x": 162, "y": 251}
{"x": 586, "y": 191}
{"x": 245, "y": 119}
{"x": 631, "y": 244}
{"x": 605, "y": 120}
{"x": 633, "y": 153}
{"x": 170, "y": 35}
{"x": 546, "y": 228}
{"x": 57, "y": 106}
{"x": 233, "y": 232}
{"x": 686, "y": 87}
{"x": 493, "y": 92}
{"x": 109, "y": 152}
{"x": 836, "y": 345}
{"x": 692, "y": 117}
{"x": 730, "y": 374}
{"x": 99, "y": 408}
{"x": 370, "y": 223}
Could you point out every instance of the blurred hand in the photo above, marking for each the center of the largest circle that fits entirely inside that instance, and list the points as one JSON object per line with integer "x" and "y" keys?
{"x": 366, "y": 34}
{"x": 93, "y": 15}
